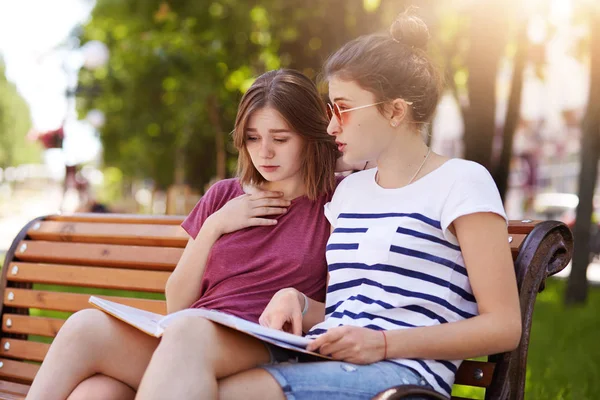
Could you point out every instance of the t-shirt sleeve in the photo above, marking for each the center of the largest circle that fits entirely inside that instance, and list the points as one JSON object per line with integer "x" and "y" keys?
{"x": 202, "y": 210}
{"x": 473, "y": 192}
{"x": 332, "y": 207}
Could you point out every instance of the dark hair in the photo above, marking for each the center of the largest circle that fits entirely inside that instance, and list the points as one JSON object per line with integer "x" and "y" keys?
{"x": 392, "y": 65}
{"x": 296, "y": 98}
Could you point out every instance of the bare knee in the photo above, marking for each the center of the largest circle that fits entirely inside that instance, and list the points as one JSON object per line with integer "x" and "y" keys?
{"x": 84, "y": 323}
{"x": 101, "y": 387}
{"x": 189, "y": 332}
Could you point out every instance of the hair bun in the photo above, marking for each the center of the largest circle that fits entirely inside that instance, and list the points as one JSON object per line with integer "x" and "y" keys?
{"x": 410, "y": 30}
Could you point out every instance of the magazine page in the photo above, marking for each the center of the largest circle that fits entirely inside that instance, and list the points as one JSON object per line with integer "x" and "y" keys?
{"x": 143, "y": 320}
{"x": 238, "y": 324}
{"x": 269, "y": 335}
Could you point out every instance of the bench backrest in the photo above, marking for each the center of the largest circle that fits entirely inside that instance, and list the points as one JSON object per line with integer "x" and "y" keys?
{"x": 57, "y": 261}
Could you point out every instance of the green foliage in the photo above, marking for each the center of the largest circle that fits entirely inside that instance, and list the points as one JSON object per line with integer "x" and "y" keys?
{"x": 177, "y": 71}
{"x": 15, "y": 121}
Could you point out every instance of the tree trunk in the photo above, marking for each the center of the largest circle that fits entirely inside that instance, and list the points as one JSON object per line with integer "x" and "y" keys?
{"x": 487, "y": 40}
{"x": 512, "y": 112}
{"x": 215, "y": 120}
{"x": 577, "y": 286}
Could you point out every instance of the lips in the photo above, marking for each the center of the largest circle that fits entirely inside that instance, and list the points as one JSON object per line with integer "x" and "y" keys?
{"x": 341, "y": 146}
{"x": 269, "y": 168}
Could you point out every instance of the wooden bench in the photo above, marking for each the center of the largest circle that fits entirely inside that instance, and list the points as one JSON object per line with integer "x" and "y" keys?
{"x": 55, "y": 262}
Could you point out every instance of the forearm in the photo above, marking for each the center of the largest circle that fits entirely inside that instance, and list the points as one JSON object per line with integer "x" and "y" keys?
{"x": 478, "y": 336}
{"x": 314, "y": 314}
{"x": 183, "y": 286}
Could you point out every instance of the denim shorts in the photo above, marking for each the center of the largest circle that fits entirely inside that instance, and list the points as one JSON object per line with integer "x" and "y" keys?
{"x": 301, "y": 377}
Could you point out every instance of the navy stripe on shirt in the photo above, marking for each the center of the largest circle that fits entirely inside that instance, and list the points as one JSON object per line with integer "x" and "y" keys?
{"x": 406, "y": 272}
{"x": 371, "y": 317}
{"x": 350, "y": 230}
{"x": 420, "y": 217}
{"x": 364, "y": 299}
{"x": 429, "y": 257}
{"x": 427, "y": 237}
{"x": 437, "y": 378}
{"x": 397, "y": 290}
{"x": 342, "y": 246}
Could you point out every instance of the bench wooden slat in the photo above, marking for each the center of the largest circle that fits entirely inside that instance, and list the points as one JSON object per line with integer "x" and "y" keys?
{"x": 110, "y": 233}
{"x": 106, "y": 278}
{"x": 28, "y": 325}
{"x": 108, "y": 255}
{"x": 71, "y": 302}
{"x": 516, "y": 227}
{"x": 468, "y": 371}
{"x": 18, "y": 370}
{"x": 13, "y": 388}
{"x": 11, "y": 396}
{"x": 23, "y": 349}
{"x": 119, "y": 218}
{"x": 515, "y": 242}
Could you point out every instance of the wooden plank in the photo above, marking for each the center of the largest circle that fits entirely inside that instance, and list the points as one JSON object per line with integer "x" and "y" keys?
{"x": 11, "y": 396}
{"x": 18, "y": 370}
{"x": 110, "y": 233}
{"x": 23, "y": 349}
{"x": 107, "y": 255}
{"x": 71, "y": 302}
{"x": 28, "y": 325}
{"x": 119, "y": 218}
{"x": 515, "y": 243}
{"x": 108, "y": 278}
{"x": 516, "y": 227}
{"x": 13, "y": 388}
{"x": 469, "y": 369}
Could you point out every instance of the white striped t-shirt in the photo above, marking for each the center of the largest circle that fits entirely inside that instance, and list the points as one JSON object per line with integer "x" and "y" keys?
{"x": 392, "y": 261}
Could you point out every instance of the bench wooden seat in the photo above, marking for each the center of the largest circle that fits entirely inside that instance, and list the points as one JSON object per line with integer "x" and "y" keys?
{"x": 57, "y": 261}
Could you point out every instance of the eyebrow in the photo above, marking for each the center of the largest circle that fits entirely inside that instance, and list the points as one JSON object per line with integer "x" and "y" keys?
{"x": 270, "y": 130}
{"x": 340, "y": 98}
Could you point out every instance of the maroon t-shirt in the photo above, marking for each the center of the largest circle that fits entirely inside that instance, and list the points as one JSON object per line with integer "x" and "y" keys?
{"x": 247, "y": 267}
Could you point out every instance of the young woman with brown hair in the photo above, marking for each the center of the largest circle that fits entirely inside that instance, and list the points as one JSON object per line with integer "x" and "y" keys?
{"x": 249, "y": 237}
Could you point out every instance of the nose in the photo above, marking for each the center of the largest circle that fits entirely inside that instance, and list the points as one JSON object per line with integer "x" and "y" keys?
{"x": 266, "y": 150}
{"x": 334, "y": 127}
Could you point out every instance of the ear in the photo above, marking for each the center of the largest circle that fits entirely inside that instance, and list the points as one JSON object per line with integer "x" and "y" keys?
{"x": 399, "y": 110}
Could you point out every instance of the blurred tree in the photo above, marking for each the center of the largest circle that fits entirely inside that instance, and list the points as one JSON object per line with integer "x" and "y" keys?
{"x": 488, "y": 36}
{"x": 577, "y": 286}
{"x": 14, "y": 124}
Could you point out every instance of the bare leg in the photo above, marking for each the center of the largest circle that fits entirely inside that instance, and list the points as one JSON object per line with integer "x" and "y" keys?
{"x": 92, "y": 342}
{"x": 102, "y": 387}
{"x": 195, "y": 353}
{"x": 254, "y": 384}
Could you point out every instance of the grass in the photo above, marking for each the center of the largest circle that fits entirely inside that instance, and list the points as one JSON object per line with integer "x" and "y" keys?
{"x": 564, "y": 358}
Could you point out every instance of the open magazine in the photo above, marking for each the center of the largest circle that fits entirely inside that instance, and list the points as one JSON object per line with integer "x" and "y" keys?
{"x": 154, "y": 324}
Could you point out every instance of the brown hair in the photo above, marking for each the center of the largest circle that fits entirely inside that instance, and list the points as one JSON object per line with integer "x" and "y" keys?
{"x": 296, "y": 99}
{"x": 392, "y": 65}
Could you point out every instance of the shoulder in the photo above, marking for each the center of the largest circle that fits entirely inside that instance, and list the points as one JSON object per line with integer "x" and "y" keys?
{"x": 459, "y": 170}
{"x": 225, "y": 189}
{"x": 356, "y": 179}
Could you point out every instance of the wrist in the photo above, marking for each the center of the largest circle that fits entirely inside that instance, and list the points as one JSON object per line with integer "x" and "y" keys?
{"x": 212, "y": 227}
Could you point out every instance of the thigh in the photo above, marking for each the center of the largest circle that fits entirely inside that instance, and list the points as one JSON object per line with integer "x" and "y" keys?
{"x": 118, "y": 350}
{"x": 102, "y": 387}
{"x": 335, "y": 380}
{"x": 200, "y": 343}
{"x": 254, "y": 384}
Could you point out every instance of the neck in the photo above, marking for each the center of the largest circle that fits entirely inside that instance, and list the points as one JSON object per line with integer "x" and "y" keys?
{"x": 401, "y": 160}
{"x": 291, "y": 188}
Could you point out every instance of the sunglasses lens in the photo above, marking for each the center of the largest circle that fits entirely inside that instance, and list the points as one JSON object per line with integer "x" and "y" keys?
{"x": 338, "y": 113}
{"x": 329, "y": 111}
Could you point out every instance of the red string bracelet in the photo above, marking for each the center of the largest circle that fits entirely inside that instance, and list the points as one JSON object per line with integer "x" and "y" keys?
{"x": 385, "y": 345}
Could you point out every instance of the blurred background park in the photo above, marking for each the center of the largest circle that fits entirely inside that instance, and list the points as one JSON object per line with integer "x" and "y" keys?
{"x": 126, "y": 106}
